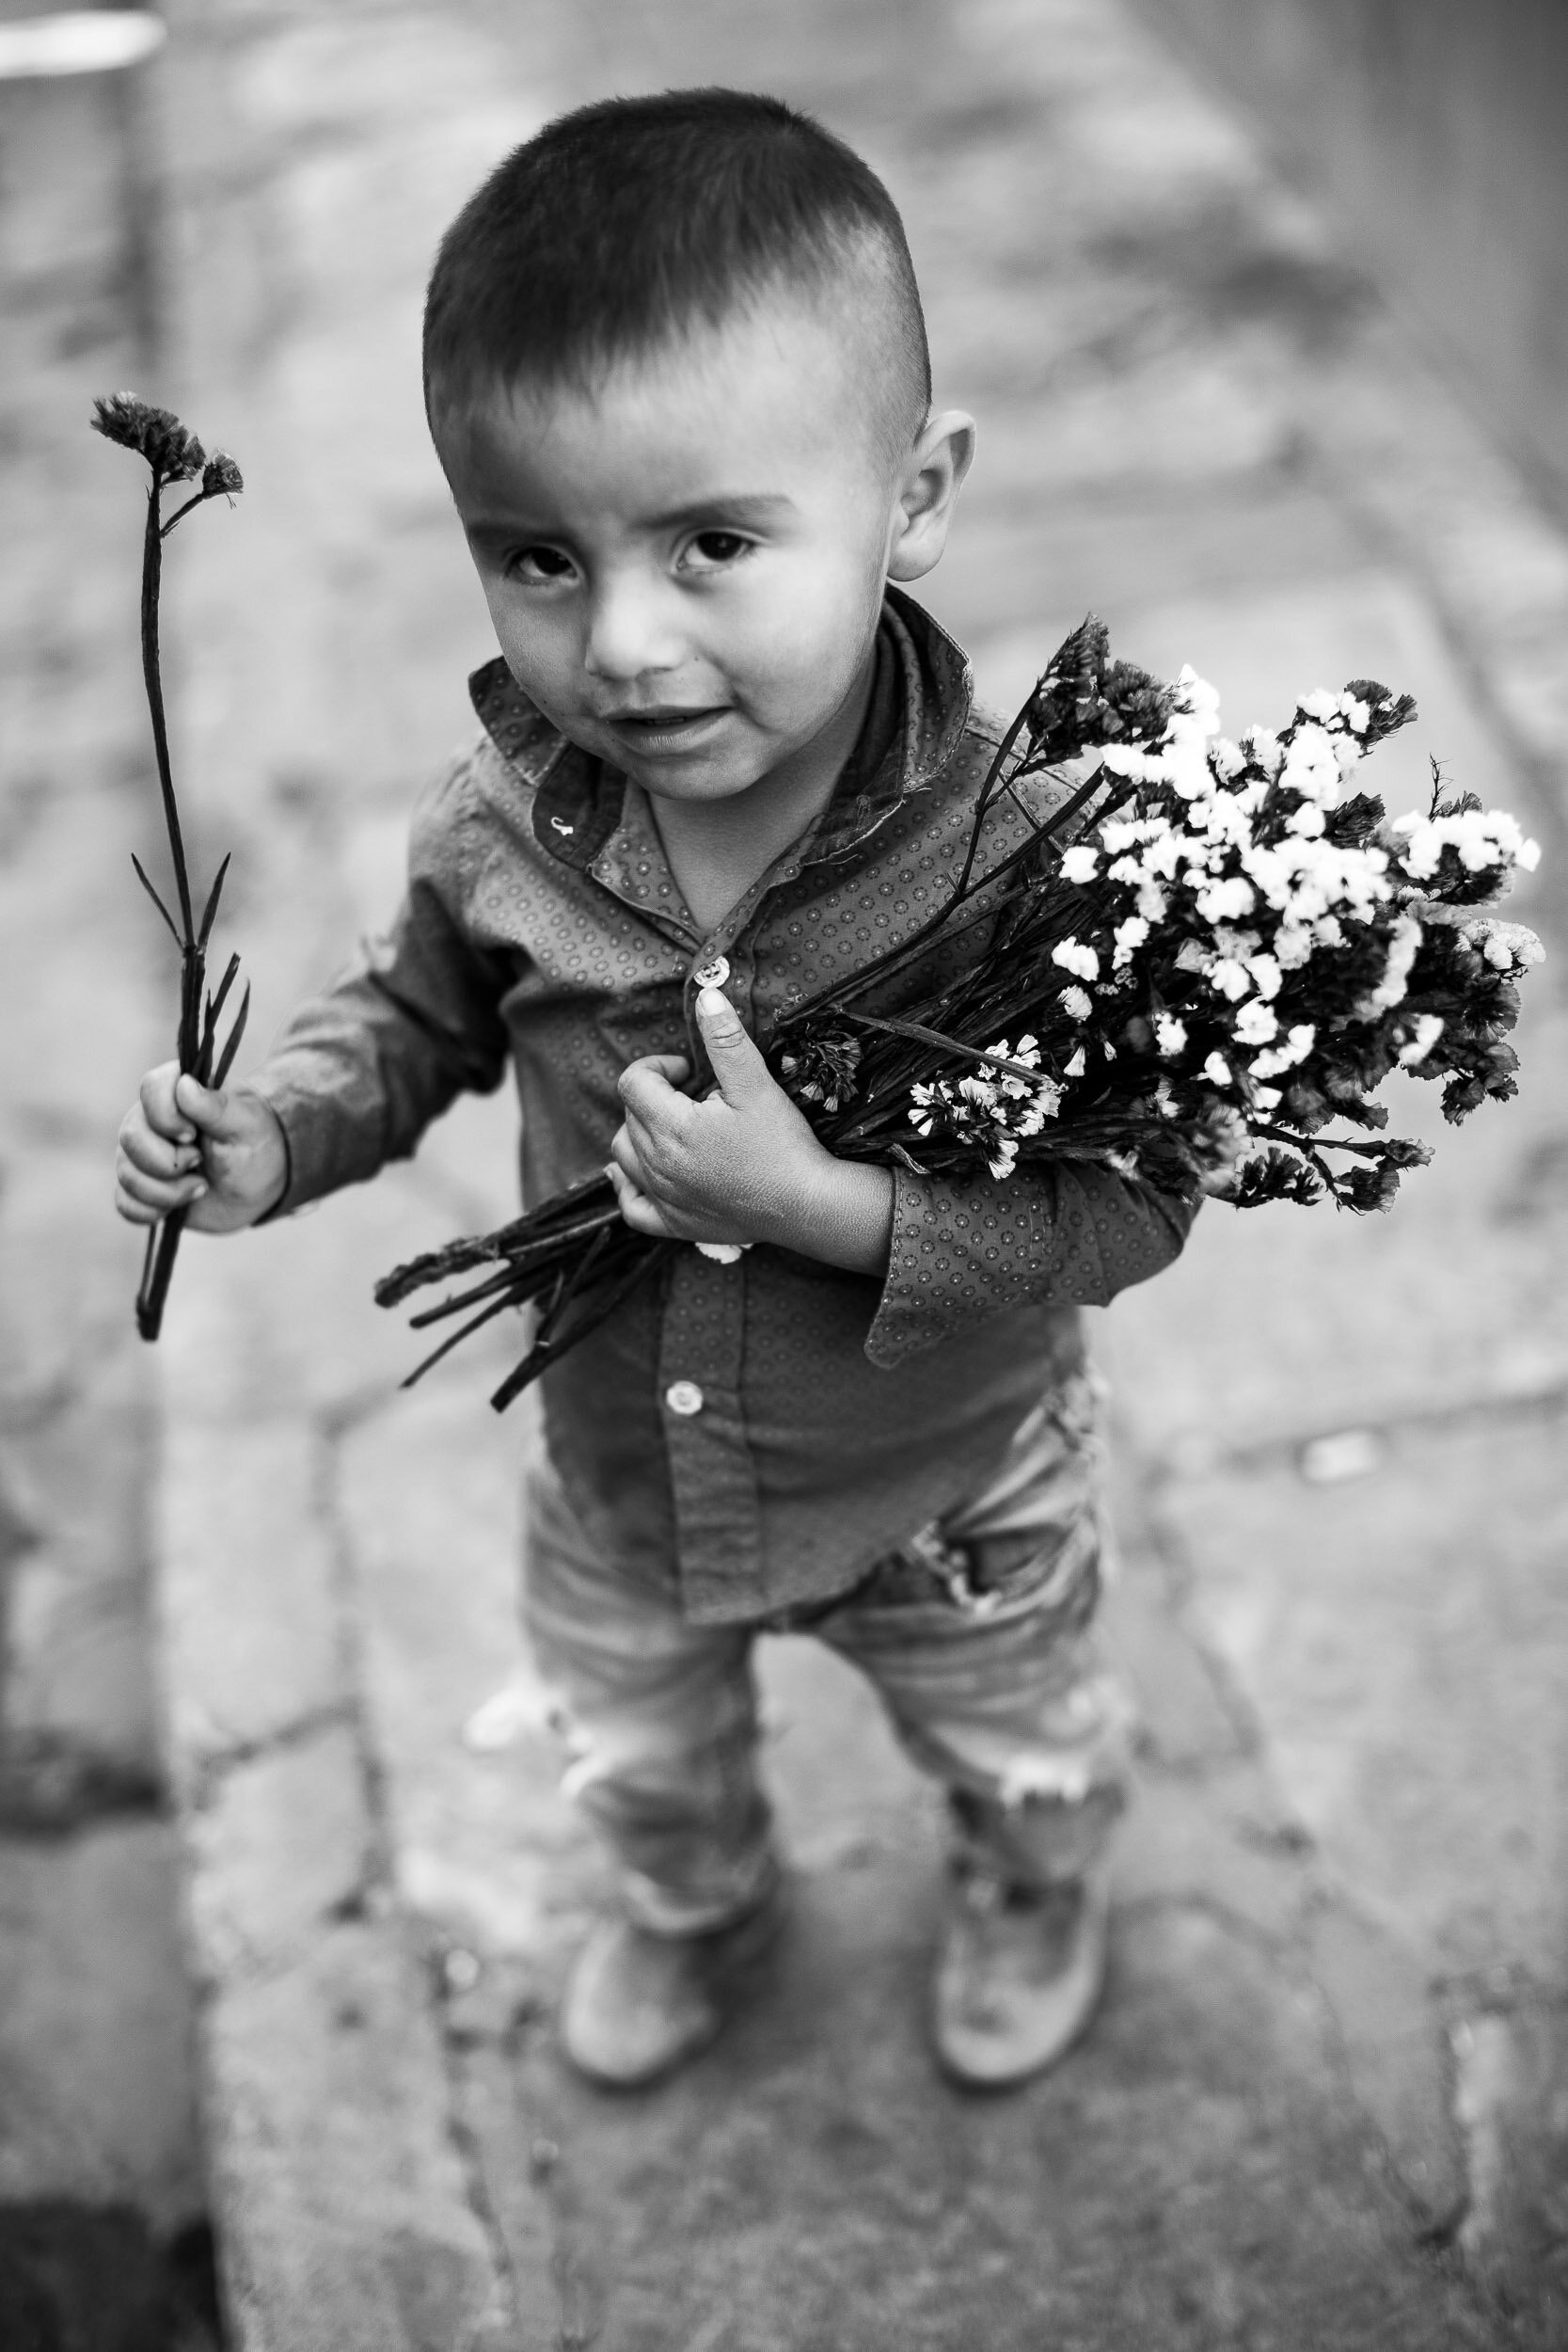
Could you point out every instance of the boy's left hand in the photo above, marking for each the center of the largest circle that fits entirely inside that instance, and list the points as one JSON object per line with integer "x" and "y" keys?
{"x": 742, "y": 1165}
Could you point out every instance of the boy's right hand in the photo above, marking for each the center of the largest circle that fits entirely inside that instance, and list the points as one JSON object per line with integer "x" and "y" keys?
{"x": 221, "y": 1156}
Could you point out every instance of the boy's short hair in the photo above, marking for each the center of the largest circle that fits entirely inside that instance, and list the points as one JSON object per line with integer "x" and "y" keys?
{"x": 635, "y": 219}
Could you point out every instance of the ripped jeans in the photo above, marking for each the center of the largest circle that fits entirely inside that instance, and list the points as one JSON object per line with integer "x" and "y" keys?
{"x": 978, "y": 1636}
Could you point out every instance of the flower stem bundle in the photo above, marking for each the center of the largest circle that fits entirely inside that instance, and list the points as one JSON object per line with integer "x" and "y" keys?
{"x": 1195, "y": 968}
{"x": 174, "y": 456}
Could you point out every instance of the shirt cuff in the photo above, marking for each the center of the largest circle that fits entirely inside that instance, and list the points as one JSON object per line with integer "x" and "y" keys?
{"x": 963, "y": 1250}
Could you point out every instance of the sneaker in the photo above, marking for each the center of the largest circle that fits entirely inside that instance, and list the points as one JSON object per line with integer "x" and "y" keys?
{"x": 1019, "y": 1975}
{"x": 639, "y": 2005}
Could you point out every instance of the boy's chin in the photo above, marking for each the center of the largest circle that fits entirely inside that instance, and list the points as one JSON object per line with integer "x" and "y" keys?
{"x": 714, "y": 771}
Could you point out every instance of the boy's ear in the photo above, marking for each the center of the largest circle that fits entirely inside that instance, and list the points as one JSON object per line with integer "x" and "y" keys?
{"x": 932, "y": 478}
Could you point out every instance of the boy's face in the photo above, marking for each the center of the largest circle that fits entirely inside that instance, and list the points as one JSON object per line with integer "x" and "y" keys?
{"x": 685, "y": 565}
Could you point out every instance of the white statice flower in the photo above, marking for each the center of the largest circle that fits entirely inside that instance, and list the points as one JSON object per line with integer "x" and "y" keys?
{"x": 1275, "y": 1060}
{"x": 1043, "y": 1095}
{"x": 1263, "y": 750}
{"x": 1187, "y": 762}
{"x": 1223, "y": 816}
{"x": 1480, "y": 838}
{"x": 1152, "y": 902}
{"x": 1121, "y": 832}
{"x": 1171, "y": 1035}
{"x": 989, "y": 1107}
{"x": 1355, "y": 713}
{"x": 1309, "y": 765}
{"x": 1319, "y": 704}
{"x": 1292, "y": 947}
{"x": 1403, "y": 942}
{"x": 1161, "y": 855}
{"x": 1507, "y": 947}
{"x": 1076, "y": 1004}
{"x": 1429, "y": 1028}
{"x": 1074, "y": 957}
{"x": 1129, "y": 937}
{"x": 1228, "y": 977}
{"x": 1217, "y": 1070}
{"x": 1266, "y": 974}
{"x": 1257, "y": 1023}
{"x": 1322, "y": 876}
{"x": 1348, "y": 752}
{"x": 1307, "y": 819}
{"x": 1227, "y": 901}
{"x": 1226, "y": 758}
{"x": 1126, "y": 870}
{"x": 1192, "y": 956}
{"x": 1269, "y": 872}
{"x": 1132, "y": 762}
{"x": 1076, "y": 1067}
{"x": 1266, "y": 1098}
{"x": 1164, "y": 1101}
{"x": 1081, "y": 863}
{"x": 1327, "y": 931}
{"x": 1198, "y": 700}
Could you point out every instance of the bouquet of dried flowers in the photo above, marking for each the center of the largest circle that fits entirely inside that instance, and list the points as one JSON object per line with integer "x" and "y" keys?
{"x": 1202, "y": 958}
{"x": 174, "y": 456}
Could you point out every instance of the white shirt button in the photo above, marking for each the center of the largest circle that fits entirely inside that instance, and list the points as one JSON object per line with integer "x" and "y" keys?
{"x": 714, "y": 973}
{"x": 683, "y": 1397}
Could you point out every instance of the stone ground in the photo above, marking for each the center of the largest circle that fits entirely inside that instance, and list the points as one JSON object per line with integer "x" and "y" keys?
{"x": 1327, "y": 2100}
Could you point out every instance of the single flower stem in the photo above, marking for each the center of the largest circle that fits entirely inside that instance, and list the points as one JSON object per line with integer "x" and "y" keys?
{"x": 180, "y": 512}
{"x": 151, "y": 582}
{"x": 162, "y": 1243}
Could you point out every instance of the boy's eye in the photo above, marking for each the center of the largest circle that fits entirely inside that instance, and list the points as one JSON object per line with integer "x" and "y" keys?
{"x": 710, "y": 550}
{"x": 538, "y": 564}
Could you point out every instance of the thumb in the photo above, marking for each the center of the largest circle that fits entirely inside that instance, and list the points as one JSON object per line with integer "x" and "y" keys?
{"x": 211, "y": 1110}
{"x": 738, "y": 1065}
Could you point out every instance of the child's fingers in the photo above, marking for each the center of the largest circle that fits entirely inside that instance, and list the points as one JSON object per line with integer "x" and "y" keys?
{"x": 738, "y": 1063}
{"x": 648, "y": 1086}
{"x": 637, "y": 1210}
{"x": 151, "y": 1154}
{"x": 214, "y": 1110}
{"x": 624, "y": 1160}
{"x": 163, "y": 1113}
{"x": 144, "y": 1199}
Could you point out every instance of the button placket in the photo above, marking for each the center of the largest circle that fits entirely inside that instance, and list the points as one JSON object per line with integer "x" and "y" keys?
{"x": 712, "y": 973}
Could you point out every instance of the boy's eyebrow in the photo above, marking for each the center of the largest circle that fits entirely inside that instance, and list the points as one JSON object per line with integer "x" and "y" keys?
{"x": 760, "y": 506}
{"x": 757, "y": 507}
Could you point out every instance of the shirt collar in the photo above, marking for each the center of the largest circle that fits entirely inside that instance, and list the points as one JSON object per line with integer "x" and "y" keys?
{"x": 921, "y": 697}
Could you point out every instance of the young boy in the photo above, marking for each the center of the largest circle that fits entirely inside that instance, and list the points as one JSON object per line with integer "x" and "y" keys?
{"x": 677, "y": 378}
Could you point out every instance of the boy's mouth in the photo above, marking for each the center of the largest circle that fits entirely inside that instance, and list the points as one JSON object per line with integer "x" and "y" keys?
{"x": 673, "y": 727}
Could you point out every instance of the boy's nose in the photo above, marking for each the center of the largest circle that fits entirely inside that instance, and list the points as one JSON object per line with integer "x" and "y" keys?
{"x": 630, "y": 631}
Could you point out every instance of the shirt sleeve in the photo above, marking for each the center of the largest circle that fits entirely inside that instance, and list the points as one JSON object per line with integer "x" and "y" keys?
{"x": 360, "y": 1071}
{"x": 967, "y": 1249}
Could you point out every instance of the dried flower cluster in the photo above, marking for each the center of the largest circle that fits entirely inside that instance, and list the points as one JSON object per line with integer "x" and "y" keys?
{"x": 1208, "y": 953}
{"x": 994, "y": 1108}
{"x": 170, "y": 449}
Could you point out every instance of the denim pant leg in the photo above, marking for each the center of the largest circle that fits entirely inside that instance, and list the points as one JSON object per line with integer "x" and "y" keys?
{"x": 660, "y": 1721}
{"x": 980, "y": 1640}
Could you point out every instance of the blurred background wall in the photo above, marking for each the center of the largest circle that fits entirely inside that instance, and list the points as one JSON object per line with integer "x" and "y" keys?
{"x": 1435, "y": 130}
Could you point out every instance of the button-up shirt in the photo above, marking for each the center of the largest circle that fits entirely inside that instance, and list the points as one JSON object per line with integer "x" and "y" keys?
{"x": 756, "y": 1434}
